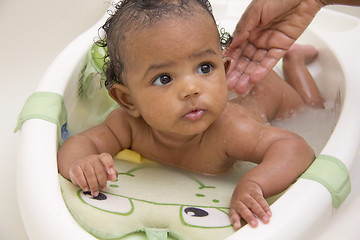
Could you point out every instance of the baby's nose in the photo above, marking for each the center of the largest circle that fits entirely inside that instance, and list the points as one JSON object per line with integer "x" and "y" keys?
{"x": 190, "y": 90}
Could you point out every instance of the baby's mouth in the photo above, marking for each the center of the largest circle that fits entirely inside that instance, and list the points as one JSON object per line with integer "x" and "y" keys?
{"x": 194, "y": 114}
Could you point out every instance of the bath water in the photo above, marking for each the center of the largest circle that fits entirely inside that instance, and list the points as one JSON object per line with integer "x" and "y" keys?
{"x": 314, "y": 125}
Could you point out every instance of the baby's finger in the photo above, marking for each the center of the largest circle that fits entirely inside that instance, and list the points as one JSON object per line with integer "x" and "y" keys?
{"x": 92, "y": 181}
{"x": 257, "y": 209}
{"x": 100, "y": 174}
{"x": 108, "y": 163}
{"x": 245, "y": 213}
{"x": 264, "y": 205}
{"x": 77, "y": 178}
{"x": 235, "y": 219}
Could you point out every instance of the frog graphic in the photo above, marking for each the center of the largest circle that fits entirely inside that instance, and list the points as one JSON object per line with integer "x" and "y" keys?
{"x": 160, "y": 201}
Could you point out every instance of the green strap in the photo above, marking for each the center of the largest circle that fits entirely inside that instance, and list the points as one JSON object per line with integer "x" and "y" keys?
{"x": 156, "y": 234}
{"x": 47, "y": 106}
{"x": 333, "y": 174}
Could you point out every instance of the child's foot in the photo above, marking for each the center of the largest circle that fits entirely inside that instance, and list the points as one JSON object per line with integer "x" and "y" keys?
{"x": 305, "y": 53}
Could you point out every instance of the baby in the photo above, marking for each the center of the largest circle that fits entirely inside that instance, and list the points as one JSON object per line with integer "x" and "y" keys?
{"x": 168, "y": 74}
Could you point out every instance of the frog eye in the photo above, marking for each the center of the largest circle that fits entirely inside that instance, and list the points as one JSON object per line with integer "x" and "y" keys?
{"x": 108, "y": 202}
{"x": 204, "y": 217}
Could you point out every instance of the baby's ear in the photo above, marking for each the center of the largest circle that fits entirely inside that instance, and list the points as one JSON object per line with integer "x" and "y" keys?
{"x": 120, "y": 93}
{"x": 226, "y": 61}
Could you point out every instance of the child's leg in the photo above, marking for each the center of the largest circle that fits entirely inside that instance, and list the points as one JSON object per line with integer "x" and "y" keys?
{"x": 298, "y": 76}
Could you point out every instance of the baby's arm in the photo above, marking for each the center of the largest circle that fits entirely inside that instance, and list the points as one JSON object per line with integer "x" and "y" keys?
{"x": 282, "y": 157}
{"x": 86, "y": 158}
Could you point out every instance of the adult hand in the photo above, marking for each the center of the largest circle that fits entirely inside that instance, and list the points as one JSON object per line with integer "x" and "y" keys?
{"x": 264, "y": 33}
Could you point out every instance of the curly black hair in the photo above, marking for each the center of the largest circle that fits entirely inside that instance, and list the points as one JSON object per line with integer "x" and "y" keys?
{"x": 136, "y": 14}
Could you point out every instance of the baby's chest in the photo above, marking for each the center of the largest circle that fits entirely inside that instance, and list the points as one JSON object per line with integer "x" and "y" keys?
{"x": 198, "y": 160}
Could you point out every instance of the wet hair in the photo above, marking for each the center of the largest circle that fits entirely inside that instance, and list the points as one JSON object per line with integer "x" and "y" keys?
{"x": 130, "y": 15}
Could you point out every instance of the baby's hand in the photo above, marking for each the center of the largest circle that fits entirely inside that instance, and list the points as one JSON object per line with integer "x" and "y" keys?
{"x": 247, "y": 201}
{"x": 93, "y": 172}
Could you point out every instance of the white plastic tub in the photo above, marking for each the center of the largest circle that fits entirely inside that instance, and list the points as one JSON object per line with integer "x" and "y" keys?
{"x": 300, "y": 213}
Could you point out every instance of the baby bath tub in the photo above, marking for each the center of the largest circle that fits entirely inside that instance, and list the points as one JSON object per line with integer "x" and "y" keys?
{"x": 298, "y": 214}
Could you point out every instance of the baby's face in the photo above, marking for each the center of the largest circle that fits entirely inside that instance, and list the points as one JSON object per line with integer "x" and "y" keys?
{"x": 175, "y": 74}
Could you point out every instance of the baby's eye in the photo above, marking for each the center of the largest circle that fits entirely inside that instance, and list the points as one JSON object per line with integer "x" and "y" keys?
{"x": 162, "y": 80}
{"x": 205, "y": 68}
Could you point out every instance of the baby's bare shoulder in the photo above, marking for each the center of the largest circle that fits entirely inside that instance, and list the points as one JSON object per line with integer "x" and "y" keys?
{"x": 240, "y": 131}
{"x": 236, "y": 115}
{"x": 120, "y": 124}
{"x": 117, "y": 117}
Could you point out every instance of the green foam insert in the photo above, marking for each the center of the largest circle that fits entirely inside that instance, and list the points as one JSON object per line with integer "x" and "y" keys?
{"x": 333, "y": 174}
{"x": 47, "y": 106}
